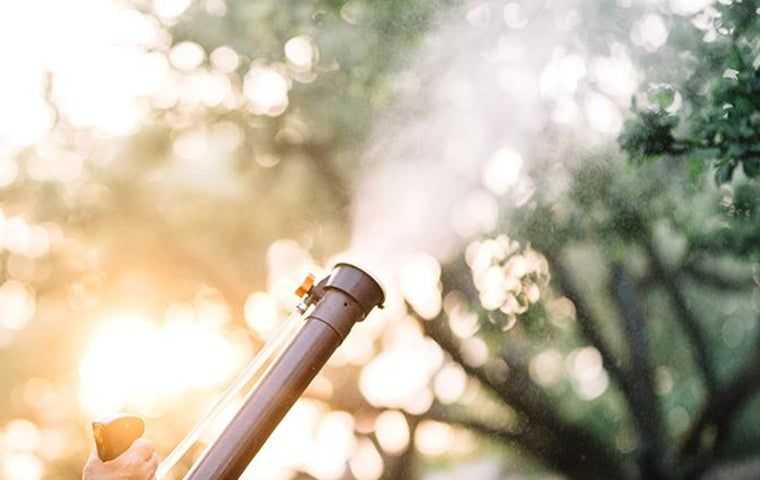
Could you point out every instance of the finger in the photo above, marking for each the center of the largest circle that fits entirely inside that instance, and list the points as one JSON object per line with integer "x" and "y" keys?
{"x": 93, "y": 458}
{"x": 147, "y": 469}
{"x": 142, "y": 449}
{"x": 153, "y": 463}
{"x": 93, "y": 465}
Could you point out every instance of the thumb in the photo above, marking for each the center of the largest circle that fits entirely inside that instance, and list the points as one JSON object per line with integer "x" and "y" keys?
{"x": 93, "y": 457}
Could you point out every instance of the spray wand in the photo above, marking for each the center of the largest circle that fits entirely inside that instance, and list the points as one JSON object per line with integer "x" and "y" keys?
{"x": 279, "y": 373}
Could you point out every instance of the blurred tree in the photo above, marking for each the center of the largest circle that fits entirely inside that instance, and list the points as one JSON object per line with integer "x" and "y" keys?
{"x": 620, "y": 326}
{"x": 666, "y": 260}
{"x": 661, "y": 263}
{"x": 706, "y": 115}
{"x": 652, "y": 306}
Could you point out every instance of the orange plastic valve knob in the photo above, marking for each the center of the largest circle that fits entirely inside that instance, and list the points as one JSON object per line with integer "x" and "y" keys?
{"x": 306, "y": 286}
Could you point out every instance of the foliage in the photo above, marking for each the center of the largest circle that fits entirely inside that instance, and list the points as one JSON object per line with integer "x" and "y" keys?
{"x": 603, "y": 328}
{"x": 720, "y": 114}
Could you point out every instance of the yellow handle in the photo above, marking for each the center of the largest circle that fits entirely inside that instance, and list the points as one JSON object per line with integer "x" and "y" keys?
{"x": 114, "y": 435}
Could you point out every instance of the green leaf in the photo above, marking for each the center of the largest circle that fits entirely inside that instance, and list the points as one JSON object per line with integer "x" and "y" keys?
{"x": 724, "y": 173}
{"x": 696, "y": 169}
{"x": 752, "y": 167}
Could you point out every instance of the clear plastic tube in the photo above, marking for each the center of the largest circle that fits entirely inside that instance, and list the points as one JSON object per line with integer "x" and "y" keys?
{"x": 264, "y": 358}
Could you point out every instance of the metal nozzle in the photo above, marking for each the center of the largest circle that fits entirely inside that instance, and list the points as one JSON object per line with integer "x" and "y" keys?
{"x": 340, "y": 300}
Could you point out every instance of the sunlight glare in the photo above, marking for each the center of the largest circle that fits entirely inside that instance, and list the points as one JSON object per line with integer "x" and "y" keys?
{"x": 392, "y": 432}
{"x": 616, "y": 74}
{"x": 650, "y": 32}
{"x": 562, "y": 75}
{"x": 476, "y": 213}
{"x": 131, "y": 361}
{"x": 513, "y": 15}
{"x": 261, "y": 314}
{"x": 433, "y": 438}
{"x": 22, "y": 465}
{"x": 17, "y": 305}
{"x": 301, "y": 52}
{"x": 170, "y": 8}
{"x": 225, "y": 59}
{"x": 267, "y": 90}
{"x": 366, "y": 463}
{"x": 22, "y": 435}
{"x": 450, "y": 383}
{"x": 546, "y": 368}
{"x": 419, "y": 279}
{"x": 334, "y": 443}
{"x": 590, "y": 380}
{"x": 187, "y": 55}
{"x": 502, "y": 170}
{"x": 603, "y": 115}
{"x": 689, "y": 7}
{"x": 387, "y": 381}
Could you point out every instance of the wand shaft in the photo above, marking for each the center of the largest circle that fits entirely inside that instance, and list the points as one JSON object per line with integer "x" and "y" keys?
{"x": 263, "y": 358}
{"x": 274, "y": 396}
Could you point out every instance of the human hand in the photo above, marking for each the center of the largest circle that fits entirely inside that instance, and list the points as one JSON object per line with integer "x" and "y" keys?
{"x": 139, "y": 462}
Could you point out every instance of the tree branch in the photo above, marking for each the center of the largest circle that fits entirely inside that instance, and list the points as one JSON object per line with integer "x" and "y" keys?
{"x": 403, "y": 466}
{"x": 747, "y": 470}
{"x": 684, "y": 315}
{"x": 544, "y": 446}
{"x": 595, "y": 458}
{"x": 716, "y": 280}
{"x": 588, "y": 324}
{"x": 722, "y": 408}
{"x": 645, "y": 408}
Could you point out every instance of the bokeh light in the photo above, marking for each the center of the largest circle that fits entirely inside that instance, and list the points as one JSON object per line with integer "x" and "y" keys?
{"x": 392, "y": 432}
{"x": 171, "y": 169}
{"x": 17, "y": 305}
{"x": 502, "y": 170}
{"x": 267, "y": 90}
{"x": 132, "y": 362}
{"x": 301, "y": 52}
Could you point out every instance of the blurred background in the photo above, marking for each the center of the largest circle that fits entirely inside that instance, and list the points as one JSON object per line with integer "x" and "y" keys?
{"x": 560, "y": 198}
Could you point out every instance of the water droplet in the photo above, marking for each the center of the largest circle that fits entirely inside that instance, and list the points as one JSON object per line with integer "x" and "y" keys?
{"x": 479, "y": 15}
{"x": 756, "y": 62}
{"x": 502, "y": 321}
{"x": 318, "y": 16}
{"x": 353, "y": 12}
{"x": 510, "y": 322}
{"x": 513, "y": 16}
{"x": 731, "y": 73}
{"x": 663, "y": 96}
